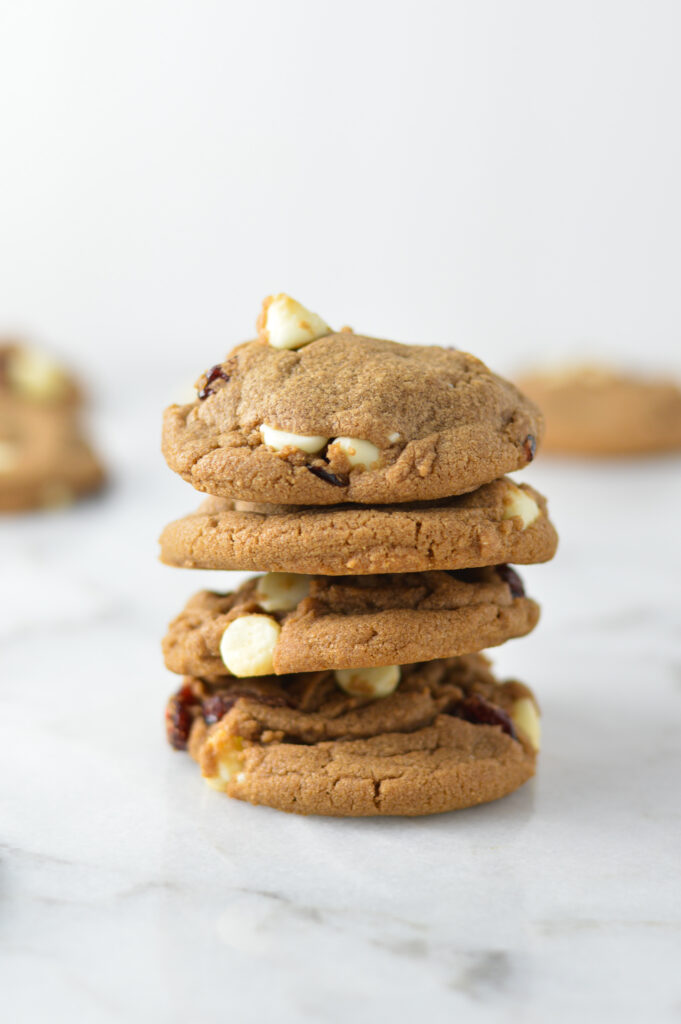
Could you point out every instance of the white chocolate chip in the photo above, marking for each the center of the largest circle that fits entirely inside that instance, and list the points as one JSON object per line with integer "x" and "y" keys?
{"x": 186, "y": 394}
{"x": 356, "y": 451}
{"x": 394, "y": 437}
{"x": 281, "y": 439}
{"x": 35, "y": 374}
{"x": 525, "y": 716}
{"x": 519, "y": 503}
{"x": 369, "y": 682}
{"x": 9, "y": 456}
{"x": 229, "y": 765}
{"x": 281, "y": 591}
{"x": 248, "y": 644}
{"x": 284, "y": 323}
{"x": 229, "y": 761}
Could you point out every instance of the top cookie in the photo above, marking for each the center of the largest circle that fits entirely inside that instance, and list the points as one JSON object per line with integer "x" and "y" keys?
{"x": 593, "y": 410}
{"x": 346, "y": 418}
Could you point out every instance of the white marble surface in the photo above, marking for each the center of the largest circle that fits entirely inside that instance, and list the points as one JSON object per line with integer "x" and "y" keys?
{"x": 131, "y": 892}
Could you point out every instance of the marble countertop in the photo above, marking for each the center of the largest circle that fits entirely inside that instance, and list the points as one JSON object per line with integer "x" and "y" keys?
{"x": 131, "y": 892}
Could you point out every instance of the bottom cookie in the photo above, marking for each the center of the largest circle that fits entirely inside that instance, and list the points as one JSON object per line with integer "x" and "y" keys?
{"x": 450, "y": 736}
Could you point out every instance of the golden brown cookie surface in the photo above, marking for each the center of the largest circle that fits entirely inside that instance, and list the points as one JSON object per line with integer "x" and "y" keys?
{"x": 282, "y": 623}
{"x": 480, "y": 528}
{"x": 349, "y": 418}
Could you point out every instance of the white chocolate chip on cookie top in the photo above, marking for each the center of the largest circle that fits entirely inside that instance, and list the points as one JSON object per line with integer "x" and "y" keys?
{"x": 285, "y": 323}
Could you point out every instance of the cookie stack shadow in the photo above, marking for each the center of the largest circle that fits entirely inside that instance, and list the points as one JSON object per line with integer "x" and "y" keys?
{"x": 365, "y": 480}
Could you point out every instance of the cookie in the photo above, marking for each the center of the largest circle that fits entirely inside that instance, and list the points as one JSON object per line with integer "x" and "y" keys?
{"x": 450, "y": 736}
{"x": 30, "y": 374}
{"x": 500, "y": 522}
{"x": 286, "y": 623}
{"x": 595, "y": 411}
{"x": 44, "y": 459}
{"x": 346, "y": 418}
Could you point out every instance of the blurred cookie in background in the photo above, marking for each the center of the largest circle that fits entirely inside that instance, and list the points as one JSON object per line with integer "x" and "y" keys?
{"x": 594, "y": 410}
{"x": 44, "y": 457}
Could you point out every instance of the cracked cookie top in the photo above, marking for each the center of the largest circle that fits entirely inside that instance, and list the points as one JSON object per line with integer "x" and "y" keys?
{"x": 345, "y": 418}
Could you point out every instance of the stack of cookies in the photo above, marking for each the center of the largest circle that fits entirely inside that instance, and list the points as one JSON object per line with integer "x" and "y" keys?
{"x": 365, "y": 480}
{"x": 45, "y": 459}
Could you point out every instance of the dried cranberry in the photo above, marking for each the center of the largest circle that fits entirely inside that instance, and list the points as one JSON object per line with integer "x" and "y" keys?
{"x": 216, "y": 707}
{"x": 465, "y": 575}
{"x": 180, "y": 717}
{"x": 215, "y": 373}
{"x": 510, "y": 576}
{"x": 328, "y": 477}
{"x": 479, "y": 711}
{"x": 530, "y": 447}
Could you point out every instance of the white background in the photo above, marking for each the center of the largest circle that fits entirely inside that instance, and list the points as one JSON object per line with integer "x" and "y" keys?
{"x": 503, "y": 177}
